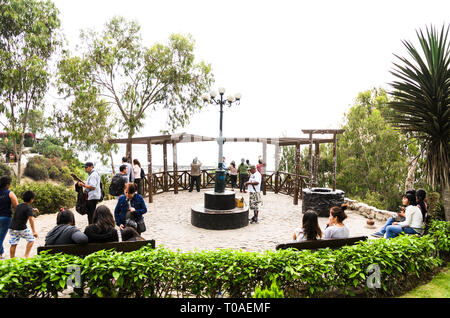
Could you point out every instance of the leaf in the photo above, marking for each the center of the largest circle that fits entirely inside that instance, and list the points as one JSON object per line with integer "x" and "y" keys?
{"x": 116, "y": 275}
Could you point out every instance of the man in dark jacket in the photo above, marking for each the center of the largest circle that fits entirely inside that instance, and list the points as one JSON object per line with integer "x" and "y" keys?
{"x": 65, "y": 231}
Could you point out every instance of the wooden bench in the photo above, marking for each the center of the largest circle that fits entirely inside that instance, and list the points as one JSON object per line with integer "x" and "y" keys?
{"x": 323, "y": 243}
{"x": 86, "y": 249}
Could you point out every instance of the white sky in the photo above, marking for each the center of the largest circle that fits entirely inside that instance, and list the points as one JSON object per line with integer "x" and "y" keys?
{"x": 298, "y": 64}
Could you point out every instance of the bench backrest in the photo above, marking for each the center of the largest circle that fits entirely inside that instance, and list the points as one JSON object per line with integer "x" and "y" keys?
{"x": 86, "y": 249}
{"x": 323, "y": 243}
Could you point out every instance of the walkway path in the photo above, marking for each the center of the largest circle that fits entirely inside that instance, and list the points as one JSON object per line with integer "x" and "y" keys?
{"x": 169, "y": 223}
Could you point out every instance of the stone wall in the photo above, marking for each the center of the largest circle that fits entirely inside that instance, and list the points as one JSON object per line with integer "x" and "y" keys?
{"x": 369, "y": 211}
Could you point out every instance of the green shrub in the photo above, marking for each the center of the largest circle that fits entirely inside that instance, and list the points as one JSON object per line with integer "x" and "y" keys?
{"x": 49, "y": 198}
{"x": 54, "y": 173}
{"x": 5, "y": 170}
{"x": 163, "y": 273}
{"x": 48, "y": 149}
{"x": 36, "y": 171}
{"x": 273, "y": 292}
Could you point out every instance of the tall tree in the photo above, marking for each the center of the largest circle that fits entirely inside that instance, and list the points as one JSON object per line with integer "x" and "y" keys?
{"x": 372, "y": 158}
{"x": 136, "y": 80}
{"x": 421, "y": 102}
{"x": 28, "y": 38}
{"x": 86, "y": 122}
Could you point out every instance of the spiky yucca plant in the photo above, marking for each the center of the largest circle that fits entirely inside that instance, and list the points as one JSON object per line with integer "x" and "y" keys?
{"x": 421, "y": 94}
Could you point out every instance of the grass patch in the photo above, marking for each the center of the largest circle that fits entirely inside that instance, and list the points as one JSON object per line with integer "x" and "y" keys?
{"x": 438, "y": 287}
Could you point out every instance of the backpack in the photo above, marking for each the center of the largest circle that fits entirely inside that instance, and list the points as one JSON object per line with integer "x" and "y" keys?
{"x": 142, "y": 174}
{"x": 102, "y": 191}
{"x": 81, "y": 206}
{"x": 117, "y": 185}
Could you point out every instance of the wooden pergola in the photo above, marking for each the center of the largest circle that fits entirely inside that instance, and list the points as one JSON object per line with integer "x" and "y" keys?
{"x": 174, "y": 139}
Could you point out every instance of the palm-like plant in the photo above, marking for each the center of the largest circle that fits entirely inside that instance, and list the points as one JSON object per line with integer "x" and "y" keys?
{"x": 421, "y": 102}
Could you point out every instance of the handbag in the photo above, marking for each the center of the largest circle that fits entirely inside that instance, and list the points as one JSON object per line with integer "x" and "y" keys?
{"x": 139, "y": 225}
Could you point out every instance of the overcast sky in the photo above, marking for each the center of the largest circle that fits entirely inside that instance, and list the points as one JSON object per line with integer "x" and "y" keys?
{"x": 298, "y": 64}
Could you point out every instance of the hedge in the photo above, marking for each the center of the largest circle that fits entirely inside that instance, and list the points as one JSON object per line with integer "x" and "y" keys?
{"x": 49, "y": 198}
{"x": 233, "y": 273}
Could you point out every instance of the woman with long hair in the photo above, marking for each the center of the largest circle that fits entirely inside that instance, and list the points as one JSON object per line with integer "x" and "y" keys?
{"x": 421, "y": 203}
{"x": 8, "y": 201}
{"x": 103, "y": 227}
{"x": 310, "y": 229}
{"x": 413, "y": 223}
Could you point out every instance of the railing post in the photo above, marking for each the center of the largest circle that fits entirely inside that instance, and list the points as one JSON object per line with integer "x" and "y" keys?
{"x": 149, "y": 172}
{"x": 166, "y": 186}
{"x": 175, "y": 168}
{"x": 297, "y": 168}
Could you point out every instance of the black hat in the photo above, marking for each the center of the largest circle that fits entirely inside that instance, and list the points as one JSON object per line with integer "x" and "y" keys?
{"x": 88, "y": 164}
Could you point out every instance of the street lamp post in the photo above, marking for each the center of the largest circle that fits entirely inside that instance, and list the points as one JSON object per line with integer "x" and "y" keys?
{"x": 219, "y": 183}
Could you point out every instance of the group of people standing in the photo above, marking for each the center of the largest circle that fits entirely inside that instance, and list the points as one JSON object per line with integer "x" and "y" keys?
{"x": 250, "y": 177}
{"x": 102, "y": 227}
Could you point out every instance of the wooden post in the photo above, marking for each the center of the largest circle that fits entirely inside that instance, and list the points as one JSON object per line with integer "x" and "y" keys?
{"x": 277, "y": 166}
{"x": 150, "y": 172}
{"x": 175, "y": 168}
{"x": 264, "y": 160}
{"x": 310, "y": 160}
{"x": 297, "y": 176}
{"x": 334, "y": 161}
{"x": 166, "y": 186}
{"x": 316, "y": 164}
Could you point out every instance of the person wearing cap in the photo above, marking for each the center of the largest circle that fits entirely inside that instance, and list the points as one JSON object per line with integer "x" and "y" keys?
{"x": 92, "y": 188}
{"x": 253, "y": 185}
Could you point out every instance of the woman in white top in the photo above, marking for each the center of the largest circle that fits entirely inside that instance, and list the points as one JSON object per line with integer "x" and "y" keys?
{"x": 137, "y": 174}
{"x": 413, "y": 223}
{"x": 233, "y": 175}
{"x": 336, "y": 228}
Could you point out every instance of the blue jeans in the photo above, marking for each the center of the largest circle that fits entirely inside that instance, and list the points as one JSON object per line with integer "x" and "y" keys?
{"x": 388, "y": 223}
{"x": 5, "y": 221}
{"x": 394, "y": 230}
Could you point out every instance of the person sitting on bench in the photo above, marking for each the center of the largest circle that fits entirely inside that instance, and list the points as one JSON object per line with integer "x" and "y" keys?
{"x": 336, "y": 228}
{"x": 65, "y": 231}
{"x": 310, "y": 229}
{"x": 103, "y": 228}
{"x": 129, "y": 234}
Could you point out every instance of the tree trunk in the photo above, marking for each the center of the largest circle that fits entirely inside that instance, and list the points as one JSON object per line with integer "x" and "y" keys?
{"x": 128, "y": 151}
{"x": 112, "y": 162}
{"x": 446, "y": 197}
{"x": 409, "y": 182}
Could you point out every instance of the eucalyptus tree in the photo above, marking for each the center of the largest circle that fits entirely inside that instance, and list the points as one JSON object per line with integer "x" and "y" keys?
{"x": 421, "y": 101}
{"x": 135, "y": 80}
{"x": 29, "y": 35}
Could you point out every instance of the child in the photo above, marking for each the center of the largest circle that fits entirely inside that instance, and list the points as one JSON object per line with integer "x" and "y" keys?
{"x": 18, "y": 228}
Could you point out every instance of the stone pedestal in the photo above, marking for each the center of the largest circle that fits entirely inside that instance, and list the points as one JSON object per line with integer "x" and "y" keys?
{"x": 219, "y": 212}
{"x": 321, "y": 200}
